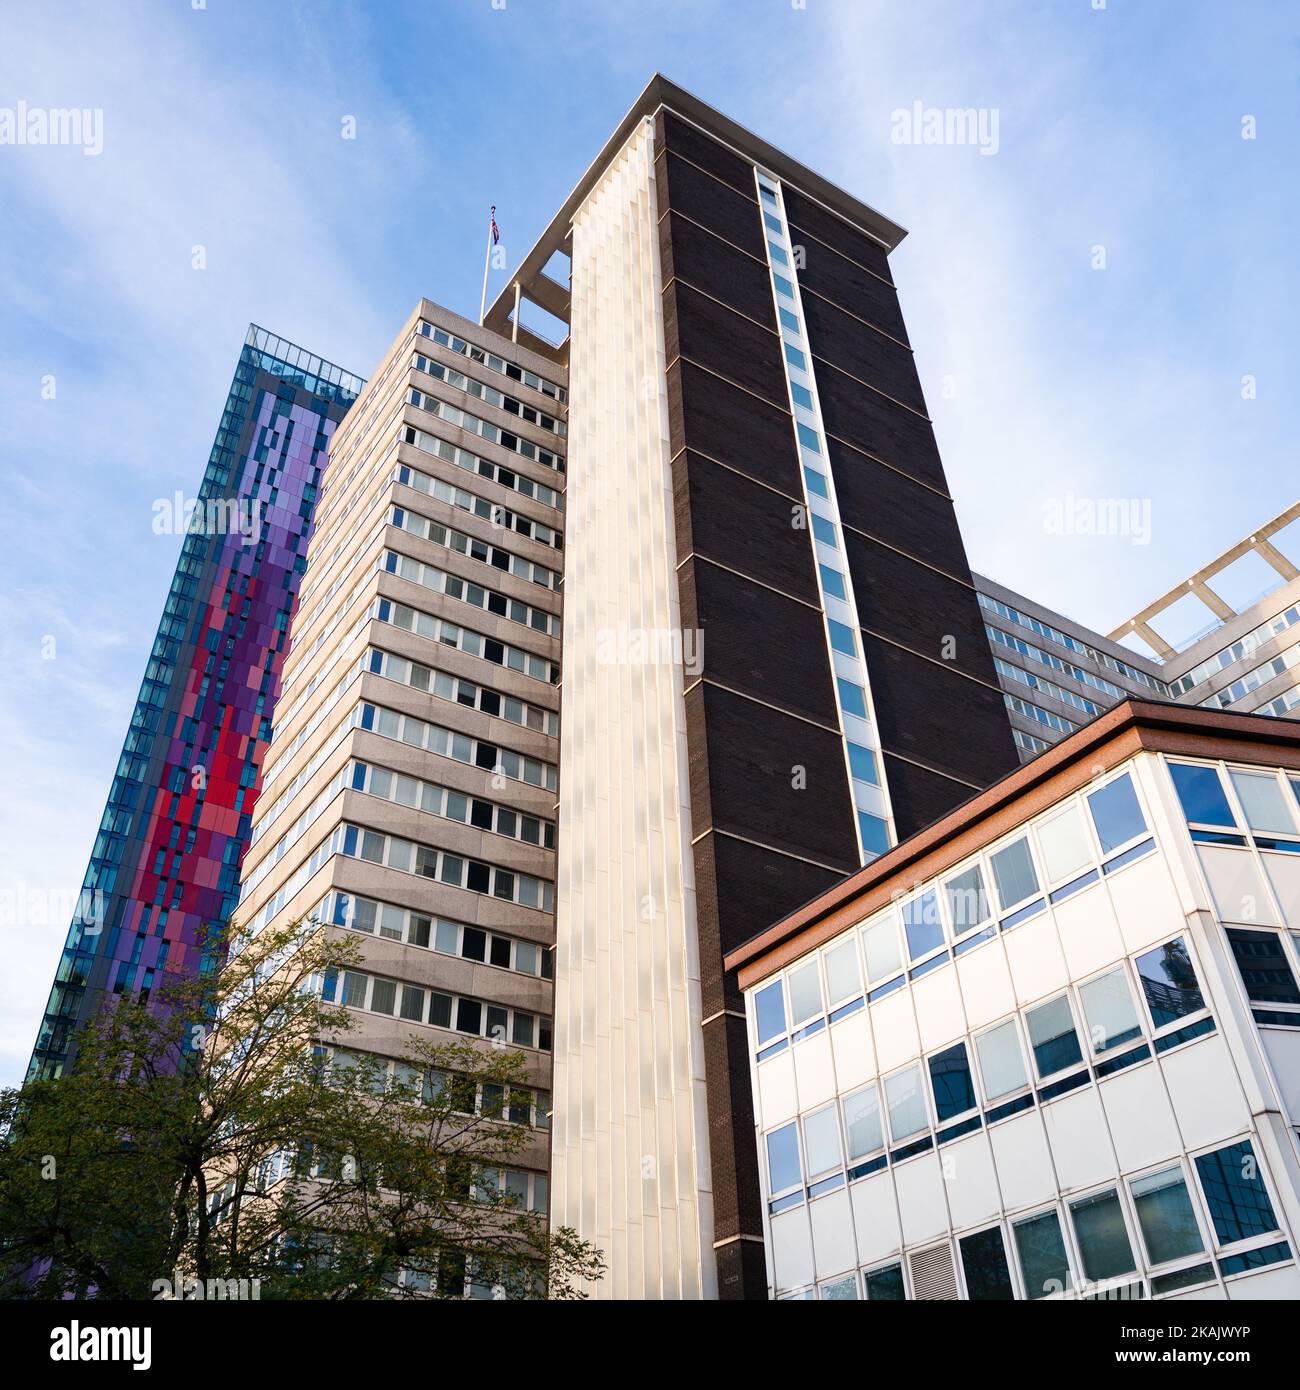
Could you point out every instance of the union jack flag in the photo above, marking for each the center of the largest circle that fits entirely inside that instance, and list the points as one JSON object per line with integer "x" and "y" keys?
{"x": 496, "y": 235}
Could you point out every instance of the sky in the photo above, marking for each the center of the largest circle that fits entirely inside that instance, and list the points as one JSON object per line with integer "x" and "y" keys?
{"x": 1100, "y": 293}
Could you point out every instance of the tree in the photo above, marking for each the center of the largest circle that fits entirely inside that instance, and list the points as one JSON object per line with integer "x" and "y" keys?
{"x": 227, "y": 1136}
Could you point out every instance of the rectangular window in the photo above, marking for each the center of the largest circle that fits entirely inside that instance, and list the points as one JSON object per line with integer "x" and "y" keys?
{"x": 950, "y": 1080}
{"x": 885, "y": 1284}
{"x": 968, "y": 903}
{"x": 906, "y": 1102}
{"x": 808, "y": 437}
{"x": 843, "y": 979}
{"x": 1002, "y": 1066}
{"x": 1044, "y": 1264}
{"x": 1064, "y": 843}
{"x": 1262, "y": 800}
{"x": 1201, "y": 794}
{"x": 880, "y": 944}
{"x": 1116, "y": 813}
{"x": 805, "y": 993}
{"x": 833, "y": 583}
{"x": 922, "y": 926}
{"x": 862, "y": 764}
{"x": 1013, "y": 873}
{"x": 769, "y": 1011}
{"x": 862, "y": 1123}
{"x": 1235, "y": 1193}
{"x": 1169, "y": 983}
{"x": 984, "y": 1263}
{"x": 853, "y": 698}
{"x": 1165, "y": 1216}
{"x": 1108, "y": 1011}
{"x": 1265, "y": 970}
{"x": 783, "y": 1170}
{"x": 1052, "y": 1037}
{"x": 841, "y": 637}
{"x": 821, "y": 1134}
{"x": 1102, "y": 1236}
{"x": 824, "y": 531}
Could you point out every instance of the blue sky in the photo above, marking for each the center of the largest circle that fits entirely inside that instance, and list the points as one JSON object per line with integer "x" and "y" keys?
{"x": 1118, "y": 127}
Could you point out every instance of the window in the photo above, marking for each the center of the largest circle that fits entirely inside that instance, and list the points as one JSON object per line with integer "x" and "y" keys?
{"x": 950, "y": 1080}
{"x": 984, "y": 1262}
{"x": 1044, "y": 1264}
{"x": 1262, "y": 800}
{"x": 1102, "y": 1236}
{"x": 843, "y": 979}
{"x": 968, "y": 903}
{"x": 862, "y": 1123}
{"x": 1064, "y": 843}
{"x": 1264, "y": 968}
{"x": 842, "y": 1290}
{"x": 783, "y": 1170}
{"x": 1169, "y": 983}
{"x": 807, "y": 437}
{"x": 1001, "y": 1064}
{"x": 821, "y": 1134}
{"x": 906, "y": 1103}
{"x": 1116, "y": 813}
{"x": 862, "y": 764}
{"x": 769, "y": 1011}
{"x": 853, "y": 698}
{"x": 1108, "y": 1011}
{"x": 880, "y": 943}
{"x": 1052, "y": 1037}
{"x": 1013, "y": 873}
{"x": 885, "y": 1283}
{"x": 1165, "y": 1216}
{"x": 922, "y": 926}
{"x": 805, "y": 993}
{"x": 841, "y": 637}
{"x": 824, "y": 531}
{"x": 833, "y": 583}
{"x": 1235, "y": 1194}
{"x": 1201, "y": 794}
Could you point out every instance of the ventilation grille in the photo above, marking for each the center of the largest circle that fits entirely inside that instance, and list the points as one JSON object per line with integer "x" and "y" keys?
{"x": 932, "y": 1273}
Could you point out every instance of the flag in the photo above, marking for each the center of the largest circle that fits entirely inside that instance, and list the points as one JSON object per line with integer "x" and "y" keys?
{"x": 496, "y": 235}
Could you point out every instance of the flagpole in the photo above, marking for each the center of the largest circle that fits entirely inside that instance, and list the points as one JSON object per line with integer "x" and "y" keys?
{"x": 487, "y": 261}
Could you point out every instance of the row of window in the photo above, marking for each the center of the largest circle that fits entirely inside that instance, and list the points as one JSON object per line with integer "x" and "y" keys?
{"x": 470, "y": 502}
{"x": 1245, "y": 646}
{"x": 439, "y": 934}
{"x": 1090, "y": 835}
{"x": 475, "y": 549}
{"x": 401, "y": 615}
{"x": 295, "y": 833}
{"x": 447, "y": 743}
{"x": 480, "y": 390}
{"x": 999, "y": 638}
{"x": 452, "y": 805}
{"x": 940, "y": 1098}
{"x": 1057, "y": 692}
{"x": 1073, "y": 644}
{"x": 461, "y": 691}
{"x": 485, "y": 429}
{"x": 1036, "y": 712}
{"x": 497, "y": 364}
{"x": 508, "y": 1027}
{"x": 1089, "y": 1245}
{"x": 440, "y": 582}
{"x": 1029, "y": 743}
{"x": 1253, "y": 679}
{"x": 1281, "y": 705}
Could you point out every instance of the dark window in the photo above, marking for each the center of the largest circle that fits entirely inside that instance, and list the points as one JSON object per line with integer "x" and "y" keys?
{"x": 473, "y": 943}
{"x": 984, "y": 1259}
{"x": 501, "y": 951}
{"x": 1235, "y": 1193}
{"x": 1169, "y": 982}
{"x": 440, "y": 1010}
{"x": 1043, "y": 1260}
{"x": 954, "y": 1093}
{"x": 469, "y": 1016}
{"x": 1052, "y": 1036}
{"x": 479, "y": 879}
{"x": 886, "y": 1283}
{"x": 1263, "y": 966}
{"x": 480, "y": 814}
{"x": 1201, "y": 793}
{"x": 1116, "y": 814}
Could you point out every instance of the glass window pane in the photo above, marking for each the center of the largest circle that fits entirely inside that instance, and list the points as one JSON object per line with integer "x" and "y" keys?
{"x": 1052, "y": 1036}
{"x": 769, "y": 1010}
{"x": 1102, "y": 1237}
{"x": 903, "y": 1096}
{"x": 922, "y": 925}
{"x": 1001, "y": 1064}
{"x": 843, "y": 979}
{"x": 805, "y": 992}
{"x": 1043, "y": 1261}
{"x": 1116, "y": 813}
{"x": 1263, "y": 802}
{"x": 1108, "y": 1011}
{"x": 821, "y": 1134}
{"x": 880, "y": 943}
{"x": 1235, "y": 1193}
{"x": 1013, "y": 872}
{"x": 862, "y": 1123}
{"x": 1201, "y": 794}
{"x": 950, "y": 1079}
{"x": 984, "y": 1262}
{"x": 1169, "y": 982}
{"x": 886, "y": 1284}
{"x": 1064, "y": 843}
{"x": 1263, "y": 965}
{"x": 968, "y": 903}
{"x": 842, "y": 1290}
{"x": 1165, "y": 1216}
{"x": 783, "y": 1159}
